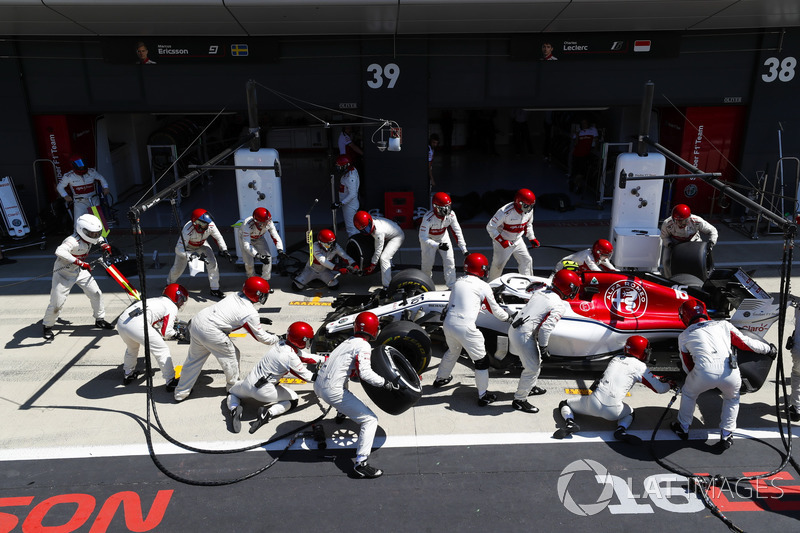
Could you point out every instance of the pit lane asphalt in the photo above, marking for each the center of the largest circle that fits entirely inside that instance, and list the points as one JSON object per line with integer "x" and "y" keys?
{"x": 70, "y": 428}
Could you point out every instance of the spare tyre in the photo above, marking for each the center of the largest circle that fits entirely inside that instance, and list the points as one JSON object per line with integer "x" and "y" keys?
{"x": 361, "y": 247}
{"x": 691, "y": 258}
{"x": 410, "y": 282}
{"x": 411, "y": 340}
{"x": 389, "y": 363}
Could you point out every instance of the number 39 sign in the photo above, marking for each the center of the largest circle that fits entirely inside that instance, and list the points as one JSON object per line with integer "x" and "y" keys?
{"x": 390, "y": 72}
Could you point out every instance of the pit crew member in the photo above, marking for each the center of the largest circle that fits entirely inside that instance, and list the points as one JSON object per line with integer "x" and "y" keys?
{"x": 253, "y": 242}
{"x": 388, "y": 237}
{"x": 434, "y": 237}
{"x": 506, "y": 229}
{"x": 349, "y": 183}
{"x": 683, "y": 226}
{"x": 597, "y": 258}
{"x": 82, "y": 181}
{"x": 330, "y": 262}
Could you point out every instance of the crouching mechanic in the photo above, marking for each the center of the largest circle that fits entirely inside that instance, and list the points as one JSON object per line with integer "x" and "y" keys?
{"x": 210, "y": 330}
{"x": 595, "y": 259}
{"x": 263, "y": 382}
{"x": 622, "y": 372}
{"x": 388, "y": 237}
{"x": 161, "y": 313}
{"x": 469, "y": 294}
{"x": 193, "y": 242}
{"x": 506, "y": 229}
{"x": 530, "y": 331}
{"x": 351, "y": 359}
{"x": 253, "y": 242}
{"x": 433, "y": 237}
{"x": 330, "y": 261}
{"x": 709, "y": 360}
{"x": 71, "y": 268}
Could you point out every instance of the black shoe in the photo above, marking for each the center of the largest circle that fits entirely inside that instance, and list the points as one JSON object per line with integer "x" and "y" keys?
{"x": 130, "y": 378}
{"x": 340, "y": 418}
{"x": 47, "y": 333}
{"x": 263, "y": 418}
{"x": 486, "y": 399}
{"x": 439, "y": 383}
{"x": 524, "y": 405}
{"x": 171, "y": 385}
{"x": 102, "y": 324}
{"x": 794, "y": 412}
{"x": 726, "y": 442}
{"x": 622, "y": 434}
{"x": 217, "y": 293}
{"x": 536, "y": 391}
{"x": 570, "y": 428}
{"x": 364, "y": 470}
{"x": 679, "y": 431}
{"x": 236, "y": 419}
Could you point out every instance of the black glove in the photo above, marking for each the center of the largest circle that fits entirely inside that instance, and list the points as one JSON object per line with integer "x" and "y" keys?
{"x": 227, "y": 255}
{"x": 511, "y": 317}
{"x": 282, "y": 255}
{"x": 544, "y": 352}
{"x": 444, "y": 246}
{"x": 790, "y": 341}
{"x": 264, "y": 258}
{"x": 394, "y": 384}
{"x": 773, "y": 351}
{"x": 336, "y": 205}
{"x": 265, "y": 320}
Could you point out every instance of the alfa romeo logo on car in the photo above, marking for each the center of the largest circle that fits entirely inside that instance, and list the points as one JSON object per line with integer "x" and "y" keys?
{"x": 626, "y": 298}
{"x": 601, "y": 476}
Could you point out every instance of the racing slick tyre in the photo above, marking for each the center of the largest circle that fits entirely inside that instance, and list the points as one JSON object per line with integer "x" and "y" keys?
{"x": 754, "y": 368}
{"x": 411, "y": 340}
{"x": 491, "y": 340}
{"x": 389, "y": 363}
{"x": 361, "y": 247}
{"x": 691, "y": 258}
{"x": 411, "y": 282}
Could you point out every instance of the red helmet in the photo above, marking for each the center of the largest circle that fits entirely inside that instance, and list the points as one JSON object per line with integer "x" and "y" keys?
{"x": 638, "y": 347}
{"x": 363, "y": 222}
{"x": 524, "y": 200}
{"x": 692, "y": 310}
{"x": 201, "y": 219}
{"x": 441, "y": 204}
{"x": 343, "y": 162}
{"x": 261, "y": 215}
{"x": 681, "y": 212}
{"x": 476, "y": 265}
{"x": 326, "y": 239}
{"x": 256, "y": 289}
{"x": 368, "y": 324}
{"x": 298, "y": 335}
{"x": 78, "y": 164}
{"x": 566, "y": 283}
{"x": 602, "y": 247}
{"x": 177, "y": 293}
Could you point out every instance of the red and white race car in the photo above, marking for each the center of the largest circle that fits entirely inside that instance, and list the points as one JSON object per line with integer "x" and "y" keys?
{"x": 609, "y": 308}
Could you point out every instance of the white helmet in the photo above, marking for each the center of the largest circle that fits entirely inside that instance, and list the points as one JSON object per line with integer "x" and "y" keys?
{"x": 89, "y": 228}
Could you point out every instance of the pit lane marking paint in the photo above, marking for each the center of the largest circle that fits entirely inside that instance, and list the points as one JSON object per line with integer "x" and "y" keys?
{"x": 294, "y": 381}
{"x": 584, "y": 392}
{"x": 315, "y": 301}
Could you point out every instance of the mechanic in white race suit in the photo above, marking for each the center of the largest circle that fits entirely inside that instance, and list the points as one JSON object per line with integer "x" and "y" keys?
{"x": 388, "y": 237}
{"x": 210, "y": 330}
{"x": 529, "y": 334}
{"x": 594, "y": 259}
{"x": 470, "y": 294}
{"x": 71, "y": 268}
{"x": 253, "y": 242}
{"x": 161, "y": 313}
{"x": 506, "y": 229}
{"x": 349, "y": 183}
{"x": 793, "y": 345}
{"x": 82, "y": 182}
{"x": 683, "y": 226}
{"x": 193, "y": 242}
{"x": 434, "y": 237}
{"x": 351, "y": 360}
{"x": 621, "y": 374}
{"x": 330, "y": 262}
{"x": 262, "y": 384}
{"x": 707, "y": 356}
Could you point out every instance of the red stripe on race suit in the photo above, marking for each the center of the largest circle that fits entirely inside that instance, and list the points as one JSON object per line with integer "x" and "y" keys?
{"x": 436, "y": 231}
{"x": 514, "y": 228}
{"x": 197, "y": 243}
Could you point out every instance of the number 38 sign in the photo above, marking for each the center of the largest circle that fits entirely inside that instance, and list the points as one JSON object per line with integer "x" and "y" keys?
{"x": 779, "y": 69}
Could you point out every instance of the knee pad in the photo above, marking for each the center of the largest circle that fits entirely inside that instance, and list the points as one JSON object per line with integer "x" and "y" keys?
{"x": 293, "y": 404}
{"x": 482, "y": 363}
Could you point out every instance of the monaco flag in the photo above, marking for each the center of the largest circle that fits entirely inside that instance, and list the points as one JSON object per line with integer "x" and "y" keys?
{"x": 641, "y": 46}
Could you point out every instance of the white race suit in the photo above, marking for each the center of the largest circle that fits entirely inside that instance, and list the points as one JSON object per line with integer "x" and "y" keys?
{"x": 324, "y": 265}
{"x": 82, "y": 189}
{"x": 432, "y": 232}
{"x": 194, "y": 242}
{"x": 507, "y": 226}
{"x": 388, "y": 238}
{"x": 253, "y": 241}
{"x": 348, "y": 197}
{"x": 351, "y": 359}
{"x": 161, "y": 313}
{"x": 209, "y": 332}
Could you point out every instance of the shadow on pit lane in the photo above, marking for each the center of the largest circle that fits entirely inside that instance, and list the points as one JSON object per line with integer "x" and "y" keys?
{"x": 22, "y": 337}
{"x": 250, "y": 407}
{"x": 464, "y": 399}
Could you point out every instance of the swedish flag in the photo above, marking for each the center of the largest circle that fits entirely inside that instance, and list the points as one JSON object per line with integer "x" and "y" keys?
{"x": 239, "y": 50}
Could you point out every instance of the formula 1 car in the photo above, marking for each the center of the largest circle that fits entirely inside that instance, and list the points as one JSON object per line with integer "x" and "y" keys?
{"x": 609, "y": 308}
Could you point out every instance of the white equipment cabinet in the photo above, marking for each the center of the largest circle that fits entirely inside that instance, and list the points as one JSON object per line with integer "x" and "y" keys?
{"x": 259, "y": 187}
{"x": 635, "y": 231}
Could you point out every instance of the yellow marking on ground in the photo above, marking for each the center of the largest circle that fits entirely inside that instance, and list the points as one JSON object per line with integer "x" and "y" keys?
{"x": 178, "y": 371}
{"x": 314, "y": 301}
{"x": 292, "y": 380}
{"x": 237, "y": 334}
{"x": 583, "y": 392}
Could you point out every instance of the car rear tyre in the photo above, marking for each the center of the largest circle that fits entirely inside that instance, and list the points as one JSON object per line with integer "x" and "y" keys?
{"x": 691, "y": 258}
{"x": 410, "y": 282}
{"x": 361, "y": 247}
{"x": 411, "y": 340}
{"x": 389, "y": 363}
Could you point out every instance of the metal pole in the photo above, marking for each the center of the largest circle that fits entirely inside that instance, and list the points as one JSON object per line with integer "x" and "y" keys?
{"x": 644, "y": 118}
{"x": 252, "y": 115}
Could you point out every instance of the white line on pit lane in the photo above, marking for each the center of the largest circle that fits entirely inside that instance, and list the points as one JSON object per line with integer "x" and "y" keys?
{"x": 401, "y": 441}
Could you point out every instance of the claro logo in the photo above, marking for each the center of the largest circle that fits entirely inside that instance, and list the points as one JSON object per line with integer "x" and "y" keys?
{"x": 52, "y": 515}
